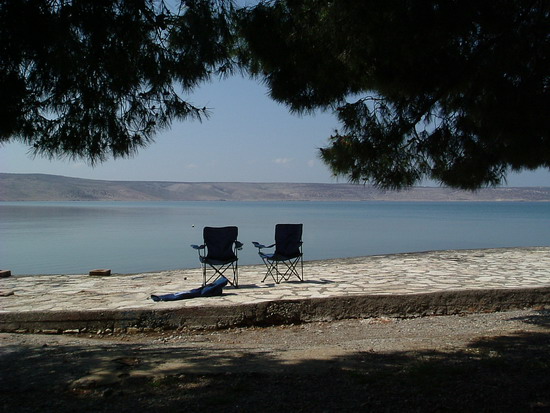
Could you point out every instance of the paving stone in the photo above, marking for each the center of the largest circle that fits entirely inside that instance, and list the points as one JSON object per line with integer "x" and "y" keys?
{"x": 412, "y": 273}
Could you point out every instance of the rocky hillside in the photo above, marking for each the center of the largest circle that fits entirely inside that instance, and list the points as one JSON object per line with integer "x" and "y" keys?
{"x": 39, "y": 187}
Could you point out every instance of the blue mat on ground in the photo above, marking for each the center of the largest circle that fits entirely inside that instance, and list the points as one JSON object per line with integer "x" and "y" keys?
{"x": 209, "y": 290}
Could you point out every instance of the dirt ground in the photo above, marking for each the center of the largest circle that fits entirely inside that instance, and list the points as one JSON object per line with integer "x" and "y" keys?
{"x": 498, "y": 362}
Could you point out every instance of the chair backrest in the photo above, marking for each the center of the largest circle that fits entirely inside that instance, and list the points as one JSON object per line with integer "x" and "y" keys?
{"x": 288, "y": 239}
{"x": 220, "y": 241}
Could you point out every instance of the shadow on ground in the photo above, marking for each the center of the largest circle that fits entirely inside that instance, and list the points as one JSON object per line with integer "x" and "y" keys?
{"x": 496, "y": 374}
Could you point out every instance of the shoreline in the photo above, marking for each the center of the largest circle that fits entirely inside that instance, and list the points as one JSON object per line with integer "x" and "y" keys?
{"x": 402, "y": 285}
{"x": 339, "y": 260}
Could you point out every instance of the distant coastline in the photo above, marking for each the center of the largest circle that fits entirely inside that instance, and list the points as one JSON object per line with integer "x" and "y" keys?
{"x": 42, "y": 187}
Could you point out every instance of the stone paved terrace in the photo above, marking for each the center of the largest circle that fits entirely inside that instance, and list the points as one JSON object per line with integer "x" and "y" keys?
{"x": 401, "y": 285}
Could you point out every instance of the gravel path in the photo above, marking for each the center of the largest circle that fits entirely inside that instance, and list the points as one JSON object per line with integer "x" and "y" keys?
{"x": 340, "y": 358}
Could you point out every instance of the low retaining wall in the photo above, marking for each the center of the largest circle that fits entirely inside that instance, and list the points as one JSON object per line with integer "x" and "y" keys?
{"x": 277, "y": 312}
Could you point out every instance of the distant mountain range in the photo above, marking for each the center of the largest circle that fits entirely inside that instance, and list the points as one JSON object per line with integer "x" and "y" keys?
{"x": 40, "y": 187}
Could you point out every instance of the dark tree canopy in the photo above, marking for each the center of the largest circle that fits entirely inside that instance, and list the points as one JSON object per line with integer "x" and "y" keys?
{"x": 455, "y": 91}
{"x": 452, "y": 90}
{"x": 97, "y": 78}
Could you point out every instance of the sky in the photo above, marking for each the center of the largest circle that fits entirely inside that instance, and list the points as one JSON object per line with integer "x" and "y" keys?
{"x": 248, "y": 138}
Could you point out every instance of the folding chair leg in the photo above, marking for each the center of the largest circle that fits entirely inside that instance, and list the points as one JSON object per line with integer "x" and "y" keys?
{"x": 289, "y": 270}
{"x": 272, "y": 271}
{"x": 219, "y": 272}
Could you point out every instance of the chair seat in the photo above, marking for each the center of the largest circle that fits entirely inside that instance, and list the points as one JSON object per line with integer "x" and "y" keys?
{"x": 278, "y": 257}
{"x": 213, "y": 261}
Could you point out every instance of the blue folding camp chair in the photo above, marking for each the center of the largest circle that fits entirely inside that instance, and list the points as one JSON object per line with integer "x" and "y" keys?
{"x": 282, "y": 264}
{"x": 219, "y": 253}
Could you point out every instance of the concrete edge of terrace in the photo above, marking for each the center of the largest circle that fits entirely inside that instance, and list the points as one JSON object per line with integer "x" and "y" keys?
{"x": 277, "y": 312}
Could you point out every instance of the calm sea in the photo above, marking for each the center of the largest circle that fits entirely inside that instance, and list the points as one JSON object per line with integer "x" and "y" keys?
{"x": 129, "y": 237}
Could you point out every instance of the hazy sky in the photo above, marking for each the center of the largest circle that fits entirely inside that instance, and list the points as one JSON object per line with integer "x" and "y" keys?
{"x": 248, "y": 138}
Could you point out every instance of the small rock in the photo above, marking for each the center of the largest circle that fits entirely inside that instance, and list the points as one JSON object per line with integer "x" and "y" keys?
{"x": 5, "y": 273}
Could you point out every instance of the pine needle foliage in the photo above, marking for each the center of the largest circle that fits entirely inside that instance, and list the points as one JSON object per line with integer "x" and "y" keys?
{"x": 454, "y": 91}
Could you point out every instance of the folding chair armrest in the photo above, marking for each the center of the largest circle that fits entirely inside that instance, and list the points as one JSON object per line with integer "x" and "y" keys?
{"x": 198, "y": 247}
{"x": 238, "y": 245}
{"x": 262, "y": 246}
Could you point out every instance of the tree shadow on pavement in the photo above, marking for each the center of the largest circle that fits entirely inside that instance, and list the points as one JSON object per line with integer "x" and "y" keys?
{"x": 495, "y": 374}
